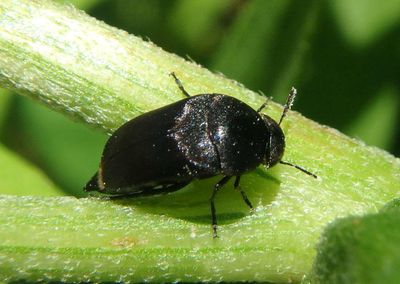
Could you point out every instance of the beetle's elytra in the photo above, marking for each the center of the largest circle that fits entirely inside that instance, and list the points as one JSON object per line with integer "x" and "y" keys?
{"x": 195, "y": 138}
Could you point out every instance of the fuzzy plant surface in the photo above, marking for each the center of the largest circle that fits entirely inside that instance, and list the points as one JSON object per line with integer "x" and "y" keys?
{"x": 360, "y": 249}
{"x": 102, "y": 76}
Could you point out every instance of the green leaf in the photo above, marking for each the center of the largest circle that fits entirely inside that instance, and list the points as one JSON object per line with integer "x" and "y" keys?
{"x": 67, "y": 150}
{"x": 360, "y": 249}
{"x": 100, "y": 75}
{"x": 376, "y": 125}
{"x": 5, "y": 98}
{"x": 18, "y": 177}
{"x": 197, "y": 30}
{"x": 364, "y": 22}
{"x": 266, "y": 52}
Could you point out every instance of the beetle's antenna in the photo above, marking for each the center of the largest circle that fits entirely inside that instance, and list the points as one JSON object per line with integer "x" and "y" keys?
{"x": 289, "y": 103}
{"x": 299, "y": 168}
{"x": 180, "y": 86}
{"x": 264, "y": 104}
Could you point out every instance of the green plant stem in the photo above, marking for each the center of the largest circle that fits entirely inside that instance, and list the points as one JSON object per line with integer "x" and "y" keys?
{"x": 92, "y": 71}
{"x": 103, "y": 76}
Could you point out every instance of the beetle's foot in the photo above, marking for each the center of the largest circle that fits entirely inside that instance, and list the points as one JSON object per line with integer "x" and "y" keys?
{"x": 215, "y": 227}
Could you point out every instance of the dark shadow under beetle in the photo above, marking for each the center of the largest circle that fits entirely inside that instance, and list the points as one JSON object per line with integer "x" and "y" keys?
{"x": 192, "y": 202}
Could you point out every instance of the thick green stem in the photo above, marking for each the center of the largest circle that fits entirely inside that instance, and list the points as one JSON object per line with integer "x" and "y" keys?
{"x": 101, "y": 75}
{"x": 92, "y": 71}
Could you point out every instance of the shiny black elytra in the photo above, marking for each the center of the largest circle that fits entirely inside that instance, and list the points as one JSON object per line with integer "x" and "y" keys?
{"x": 195, "y": 138}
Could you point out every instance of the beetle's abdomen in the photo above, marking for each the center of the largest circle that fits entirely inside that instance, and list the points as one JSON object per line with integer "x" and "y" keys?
{"x": 160, "y": 148}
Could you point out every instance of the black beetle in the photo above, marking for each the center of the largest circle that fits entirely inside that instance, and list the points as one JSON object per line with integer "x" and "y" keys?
{"x": 195, "y": 138}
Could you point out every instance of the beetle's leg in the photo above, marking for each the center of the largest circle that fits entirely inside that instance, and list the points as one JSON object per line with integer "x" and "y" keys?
{"x": 237, "y": 187}
{"x": 180, "y": 86}
{"x": 217, "y": 186}
{"x": 264, "y": 105}
{"x": 299, "y": 168}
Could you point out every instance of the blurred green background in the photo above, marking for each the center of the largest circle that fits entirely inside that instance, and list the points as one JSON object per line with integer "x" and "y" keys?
{"x": 343, "y": 56}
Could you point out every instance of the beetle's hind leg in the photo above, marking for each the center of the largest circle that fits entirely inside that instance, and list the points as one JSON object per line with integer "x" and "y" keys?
{"x": 244, "y": 196}
{"x": 180, "y": 86}
{"x": 217, "y": 186}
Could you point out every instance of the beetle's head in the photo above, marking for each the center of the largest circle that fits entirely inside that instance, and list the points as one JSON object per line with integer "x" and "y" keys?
{"x": 275, "y": 142}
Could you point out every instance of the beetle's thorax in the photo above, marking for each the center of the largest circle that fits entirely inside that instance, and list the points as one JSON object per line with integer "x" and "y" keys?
{"x": 226, "y": 136}
{"x": 275, "y": 146}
